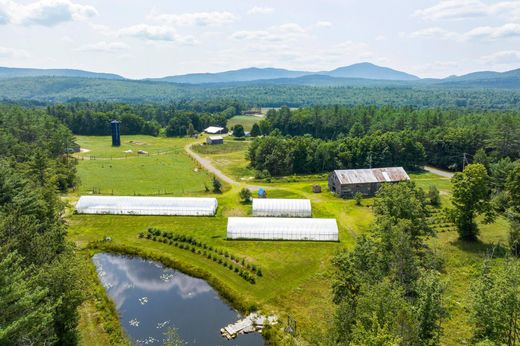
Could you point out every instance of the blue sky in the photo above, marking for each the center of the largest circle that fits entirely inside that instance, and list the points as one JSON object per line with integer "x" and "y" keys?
{"x": 430, "y": 38}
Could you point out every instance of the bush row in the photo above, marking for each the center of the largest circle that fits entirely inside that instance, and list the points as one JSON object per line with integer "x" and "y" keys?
{"x": 234, "y": 263}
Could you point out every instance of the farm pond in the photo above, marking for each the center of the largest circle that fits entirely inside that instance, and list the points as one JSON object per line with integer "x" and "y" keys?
{"x": 151, "y": 298}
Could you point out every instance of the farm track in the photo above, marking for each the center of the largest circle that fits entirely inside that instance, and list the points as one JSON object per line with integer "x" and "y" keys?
{"x": 207, "y": 165}
{"x": 438, "y": 172}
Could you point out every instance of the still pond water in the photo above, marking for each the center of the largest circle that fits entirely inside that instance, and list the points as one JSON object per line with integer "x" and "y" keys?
{"x": 150, "y": 298}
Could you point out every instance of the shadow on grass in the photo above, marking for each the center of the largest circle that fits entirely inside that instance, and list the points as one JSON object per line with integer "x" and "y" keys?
{"x": 494, "y": 250}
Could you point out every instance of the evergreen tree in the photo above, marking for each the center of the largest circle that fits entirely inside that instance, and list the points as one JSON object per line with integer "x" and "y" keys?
{"x": 255, "y": 130}
{"x": 26, "y": 312}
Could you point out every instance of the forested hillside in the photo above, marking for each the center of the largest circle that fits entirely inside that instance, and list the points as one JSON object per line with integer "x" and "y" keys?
{"x": 41, "y": 279}
{"x": 268, "y": 94}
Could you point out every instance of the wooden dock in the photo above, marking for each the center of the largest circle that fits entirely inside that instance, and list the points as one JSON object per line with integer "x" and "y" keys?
{"x": 252, "y": 323}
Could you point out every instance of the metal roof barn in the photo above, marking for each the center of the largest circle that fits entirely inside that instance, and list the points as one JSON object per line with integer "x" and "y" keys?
{"x": 281, "y": 207}
{"x": 131, "y": 205}
{"x": 372, "y": 175}
{"x": 275, "y": 228}
{"x": 214, "y": 130}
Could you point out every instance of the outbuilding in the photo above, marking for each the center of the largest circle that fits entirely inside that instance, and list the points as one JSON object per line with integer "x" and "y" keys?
{"x": 277, "y": 228}
{"x": 280, "y": 207}
{"x": 346, "y": 183}
{"x": 215, "y": 140}
{"x": 213, "y": 130}
{"x": 132, "y": 205}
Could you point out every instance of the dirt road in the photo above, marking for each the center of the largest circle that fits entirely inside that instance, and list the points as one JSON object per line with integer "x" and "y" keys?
{"x": 438, "y": 172}
{"x": 206, "y": 164}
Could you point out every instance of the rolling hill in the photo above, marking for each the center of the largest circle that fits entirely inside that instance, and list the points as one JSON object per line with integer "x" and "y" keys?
{"x": 14, "y": 72}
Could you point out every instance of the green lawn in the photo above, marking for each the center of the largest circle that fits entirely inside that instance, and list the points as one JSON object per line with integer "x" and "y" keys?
{"x": 296, "y": 277}
{"x": 245, "y": 120}
{"x": 167, "y": 170}
{"x": 229, "y": 157}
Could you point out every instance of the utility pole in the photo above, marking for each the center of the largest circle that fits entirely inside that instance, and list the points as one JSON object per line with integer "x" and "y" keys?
{"x": 465, "y": 160}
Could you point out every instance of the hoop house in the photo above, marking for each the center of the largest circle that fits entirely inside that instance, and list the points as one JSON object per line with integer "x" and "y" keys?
{"x": 274, "y": 228}
{"x": 281, "y": 207}
{"x": 130, "y": 205}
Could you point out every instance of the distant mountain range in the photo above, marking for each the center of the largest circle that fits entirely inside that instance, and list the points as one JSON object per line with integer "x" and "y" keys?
{"x": 362, "y": 74}
{"x": 13, "y": 72}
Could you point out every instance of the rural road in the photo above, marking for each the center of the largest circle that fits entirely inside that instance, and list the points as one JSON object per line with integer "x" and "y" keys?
{"x": 438, "y": 172}
{"x": 206, "y": 164}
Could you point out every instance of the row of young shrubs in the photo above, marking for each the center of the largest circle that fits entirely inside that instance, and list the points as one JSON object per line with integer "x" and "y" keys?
{"x": 238, "y": 265}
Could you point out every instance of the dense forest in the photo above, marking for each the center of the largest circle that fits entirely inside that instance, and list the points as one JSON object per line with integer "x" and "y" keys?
{"x": 41, "y": 278}
{"x": 369, "y": 136}
{"x": 67, "y": 89}
{"x": 176, "y": 118}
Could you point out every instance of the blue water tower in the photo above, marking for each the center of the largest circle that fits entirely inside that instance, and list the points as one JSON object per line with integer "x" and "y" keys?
{"x": 116, "y": 133}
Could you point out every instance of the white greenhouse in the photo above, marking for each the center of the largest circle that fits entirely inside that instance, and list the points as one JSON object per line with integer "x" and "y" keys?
{"x": 275, "y": 228}
{"x": 281, "y": 207}
{"x": 131, "y": 205}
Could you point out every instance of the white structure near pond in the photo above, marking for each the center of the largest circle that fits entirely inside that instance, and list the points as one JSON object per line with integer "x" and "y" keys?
{"x": 132, "y": 205}
{"x": 280, "y": 207}
{"x": 276, "y": 228}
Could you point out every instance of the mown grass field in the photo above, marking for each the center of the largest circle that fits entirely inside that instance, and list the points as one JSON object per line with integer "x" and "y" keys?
{"x": 165, "y": 170}
{"x": 245, "y": 120}
{"x": 229, "y": 157}
{"x": 296, "y": 275}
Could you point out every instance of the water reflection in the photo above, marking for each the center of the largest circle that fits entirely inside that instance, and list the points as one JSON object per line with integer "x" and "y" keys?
{"x": 150, "y": 298}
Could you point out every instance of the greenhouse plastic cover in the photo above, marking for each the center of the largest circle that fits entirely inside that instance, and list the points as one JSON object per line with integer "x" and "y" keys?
{"x": 281, "y": 207}
{"x": 275, "y": 228}
{"x": 133, "y": 205}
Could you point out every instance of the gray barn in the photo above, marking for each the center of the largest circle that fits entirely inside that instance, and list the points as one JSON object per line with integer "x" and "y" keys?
{"x": 215, "y": 140}
{"x": 345, "y": 183}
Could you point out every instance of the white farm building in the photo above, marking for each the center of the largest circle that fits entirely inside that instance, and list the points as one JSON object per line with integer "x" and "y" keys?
{"x": 280, "y": 207}
{"x": 131, "y": 205}
{"x": 275, "y": 228}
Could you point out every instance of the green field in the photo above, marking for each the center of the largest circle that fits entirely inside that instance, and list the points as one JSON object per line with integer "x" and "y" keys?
{"x": 229, "y": 157}
{"x": 165, "y": 170}
{"x": 296, "y": 275}
{"x": 245, "y": 120}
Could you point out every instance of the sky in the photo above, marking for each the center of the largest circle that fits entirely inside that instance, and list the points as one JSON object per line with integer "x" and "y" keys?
{"x": 156, "y": 38}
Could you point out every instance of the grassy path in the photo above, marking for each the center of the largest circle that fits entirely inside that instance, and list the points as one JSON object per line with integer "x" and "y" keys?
{"x": 206, "y": 164}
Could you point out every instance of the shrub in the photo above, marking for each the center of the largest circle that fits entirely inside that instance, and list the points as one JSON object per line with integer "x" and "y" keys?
{"x": 358, "y": 197}
{"x": 148, "y": 236}
{"x": 154, "y": 239}
{"x": 141, "y": 235}
{"x": 259, "y": 272}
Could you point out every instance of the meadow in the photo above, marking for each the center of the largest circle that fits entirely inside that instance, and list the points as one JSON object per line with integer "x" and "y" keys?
{"x": 296, "y": 275}
{"x": 245, "y": 120}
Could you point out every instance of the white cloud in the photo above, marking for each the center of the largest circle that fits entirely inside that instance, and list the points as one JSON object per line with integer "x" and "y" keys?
{"x": 463, "y": 9}
{"x": 284, "y": 32}
{"x": 44, "y": 12}
{"x": 194, "y": 18}
{"x": 503, "y": 57}
{"x": 260, "y": 10}
{"x": 435, "y": 32}
{"x": 6, "y": 52}
{"x": 163, "y": 33}
{"x": 150, "y": 32}
{"x": 323, "y": 24}
{"x": 494, "y": 32}
{"x": 103, "y": 46}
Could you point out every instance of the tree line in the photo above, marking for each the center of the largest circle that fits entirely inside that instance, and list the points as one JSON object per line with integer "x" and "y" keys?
{"x": 175, "y": 119}
{"x": 445, "y": 135}
{"x": 278, "y": 155}
{"x": 41, "y": 278}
